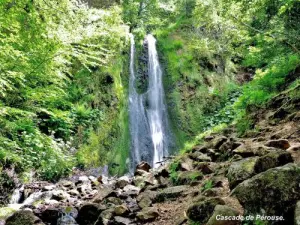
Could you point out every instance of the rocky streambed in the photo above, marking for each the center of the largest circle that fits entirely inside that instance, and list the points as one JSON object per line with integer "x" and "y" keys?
{"x": 222, "y": 180}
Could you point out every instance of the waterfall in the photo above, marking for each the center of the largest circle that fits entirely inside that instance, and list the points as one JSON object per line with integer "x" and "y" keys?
{"x": 150, "y": 135}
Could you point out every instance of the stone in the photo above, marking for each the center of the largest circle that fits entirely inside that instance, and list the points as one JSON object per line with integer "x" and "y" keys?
{"x": 122, "y": 182}
{"x": 23, "y": 217}
{"x": 200, "y": 157}
{"x": 131, "y": 190}
{"x": 114, "y": 200}
{"x": 187, "y": 177}
{"x": 73, "y": 192}
{"x": 241, "y": 170}
{"x": 118, "y": 220}
{"x": 88, "y": 214}
{"x": 49, "y": 187}
{"x": 186, "y": 163}
{"x": 274, "y": 192}
{"x": 140, "y": 172}
{"x": 280, "y": 143}
{"x": 250, "y": 148}
{"x": 121, "y": 210}
{"x": 202, "y": 210}
{"x": 148, "y": 214}
{"x": 205, "y": 167}
{"x": 66, "y": 220}
{"x": 273, "y": 159}
{"x": 104, "y": 192}
{"x": 223, "y": 210}
{"x": 50, "y": 215}
{"x": 171, "y": 193}
{"x": 66, "y": 183}
{"x": 297, "y": 214}
{"x": 60, "y": 195}
{"x": 146, "y": 198}
{"x": 143, "y": 166}
{"x": 107, "y": 214}
{"x": 218, "y": 141}
{"x": 6, "y": 212}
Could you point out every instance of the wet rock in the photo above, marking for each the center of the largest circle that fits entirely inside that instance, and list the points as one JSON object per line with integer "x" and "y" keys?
{"x": 23, "y": 217}
{"x": 140, "y": 172}
{"x": 280, "y": 143}
{"x": 223, "y": 210}
{"x": 148, "y": 214}
{"x": 274, "y": 192}
{"x": 241, "y": 170}
{"x": 297, "y": 214}
{"x": 201, "y": 211}
{"x": 88, "y": 214}
{"x": 143, "y": 166}
{"x": 121, "y": 210}
{"x": 171, "y": 193}
{"x": 187, "y": 177}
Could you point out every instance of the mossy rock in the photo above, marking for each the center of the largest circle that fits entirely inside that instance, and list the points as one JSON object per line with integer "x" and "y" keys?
{"x": 201, "y": 211}
{"x": 187, "y": 177}
{"x": 274, "y": 192}
{"x": 241, "y": 170}
{"x": 223, "y": 210}
{"x": 23, "y": 217}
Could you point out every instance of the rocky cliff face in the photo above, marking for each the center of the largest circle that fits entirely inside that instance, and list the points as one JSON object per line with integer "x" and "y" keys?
{"x": 224, "y": 176}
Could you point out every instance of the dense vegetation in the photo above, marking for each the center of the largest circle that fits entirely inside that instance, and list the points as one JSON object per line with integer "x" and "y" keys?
{"x": 64, "y": 73}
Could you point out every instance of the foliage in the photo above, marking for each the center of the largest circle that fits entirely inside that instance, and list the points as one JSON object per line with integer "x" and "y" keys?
{"x": 207, "y": 185}
{"x": 54, "y": 60}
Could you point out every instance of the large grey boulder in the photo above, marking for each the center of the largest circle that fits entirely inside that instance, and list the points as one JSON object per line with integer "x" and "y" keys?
{"x": 273, "y": 192}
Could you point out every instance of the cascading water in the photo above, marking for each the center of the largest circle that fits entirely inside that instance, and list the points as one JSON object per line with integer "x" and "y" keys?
{"x": 150, "y": 135}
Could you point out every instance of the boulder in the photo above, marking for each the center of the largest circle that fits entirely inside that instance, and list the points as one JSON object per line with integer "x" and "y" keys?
{"x": 241, "y": 170}
{"x": 280, "y": 143}
{"x": 104, "y": 192}
{"x": 122, "y": 182}
{"x": 130, "y": 190}
{"x": 148, "y": 214}
{"x": 66, "y": 220}
{"x": 218, "y": 141}
{"x": 224, "y": 211}
{"x": 146, "y": 198}
{"x": 121, "y": 210}
{"x": 273, "y": 159}
{"x": 205, "y": 167}
{"x": 171, "y": 193}
{"x": 114, "y": 200}
{"x": 118, "y": 220}
{"x": 143, "y": 166}
{"x": 200, "y": 157}
{"x": 186, "y": 163}
{"x": 50, "y": 216}
{"x": 274, "y": 192}
{"x": 202, "y": 210}
{"x": 187, "y": 177}
{"x": 23, "y": 217}
{"x": 250, "y": 148}
{"x": 88, "y": 214}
